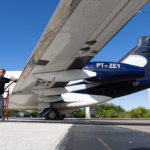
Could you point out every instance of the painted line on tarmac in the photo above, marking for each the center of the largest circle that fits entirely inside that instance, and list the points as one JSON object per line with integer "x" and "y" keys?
{"x": 108, "y": 148}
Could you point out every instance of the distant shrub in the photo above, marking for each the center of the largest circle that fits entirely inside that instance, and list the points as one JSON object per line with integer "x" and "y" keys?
{"x": 122, "y": 115}
{"x": 109, "y": 114}
{"x": 119, "y": 109}
{"x": 112, "y": 111}
{"x": 139, "y": 112}
{"x": 82, "y": 113}
{"x": 109, "y": 111}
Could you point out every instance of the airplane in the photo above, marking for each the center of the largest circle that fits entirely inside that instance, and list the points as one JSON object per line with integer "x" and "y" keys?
{"x": 59, "y": 77}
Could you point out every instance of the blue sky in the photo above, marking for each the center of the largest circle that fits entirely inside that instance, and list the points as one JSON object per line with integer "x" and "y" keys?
{"x": 23, "y": 22}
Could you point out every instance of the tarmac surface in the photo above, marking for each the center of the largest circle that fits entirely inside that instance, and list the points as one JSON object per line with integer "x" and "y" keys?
{"x": 75, "y": 134}
{"x": 93, "y": 121}
{"x": 31, "y": 136}
{"x": 92, "y": 137}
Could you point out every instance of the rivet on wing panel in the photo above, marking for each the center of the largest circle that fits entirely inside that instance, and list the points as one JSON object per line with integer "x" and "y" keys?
{"x": 92, "y": 8}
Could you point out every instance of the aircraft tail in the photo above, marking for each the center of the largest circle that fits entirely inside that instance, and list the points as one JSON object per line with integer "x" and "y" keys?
{"x": 140, "y": 55}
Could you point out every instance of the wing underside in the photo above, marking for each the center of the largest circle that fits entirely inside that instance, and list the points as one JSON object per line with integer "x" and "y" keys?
{"x": 77, "y": 31}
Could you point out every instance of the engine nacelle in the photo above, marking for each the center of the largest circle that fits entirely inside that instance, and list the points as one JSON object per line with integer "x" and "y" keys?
{"x": 108, "y": 72}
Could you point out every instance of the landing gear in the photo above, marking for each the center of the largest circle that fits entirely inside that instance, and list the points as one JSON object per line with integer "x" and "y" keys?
{"x": 52, "y": 115}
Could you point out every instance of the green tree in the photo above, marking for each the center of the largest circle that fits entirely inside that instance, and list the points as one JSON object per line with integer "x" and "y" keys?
{"x": 139, "y": 112}
{"x": 109, "y": 113}
{"x": 82, "y": 113}
{"x": 107, "y": 110}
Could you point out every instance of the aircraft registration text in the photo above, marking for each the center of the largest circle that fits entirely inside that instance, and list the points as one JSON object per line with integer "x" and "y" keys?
{"x": 111, "y": 65}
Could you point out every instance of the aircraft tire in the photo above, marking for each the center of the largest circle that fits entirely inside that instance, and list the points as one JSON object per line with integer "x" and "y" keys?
{"x": 53, "y": 115}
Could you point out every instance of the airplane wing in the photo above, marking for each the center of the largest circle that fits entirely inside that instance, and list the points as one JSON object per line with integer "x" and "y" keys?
{"x": 78, "y": 30}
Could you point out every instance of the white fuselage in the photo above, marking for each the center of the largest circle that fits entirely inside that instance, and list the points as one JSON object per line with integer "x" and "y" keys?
{"x": 11, "y": 74}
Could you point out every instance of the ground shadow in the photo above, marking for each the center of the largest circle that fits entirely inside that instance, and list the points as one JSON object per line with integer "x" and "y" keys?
{"x": 140, "y": 148}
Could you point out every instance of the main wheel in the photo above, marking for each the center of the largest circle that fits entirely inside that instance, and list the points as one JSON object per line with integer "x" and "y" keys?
{"x": 53, "y": 114}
